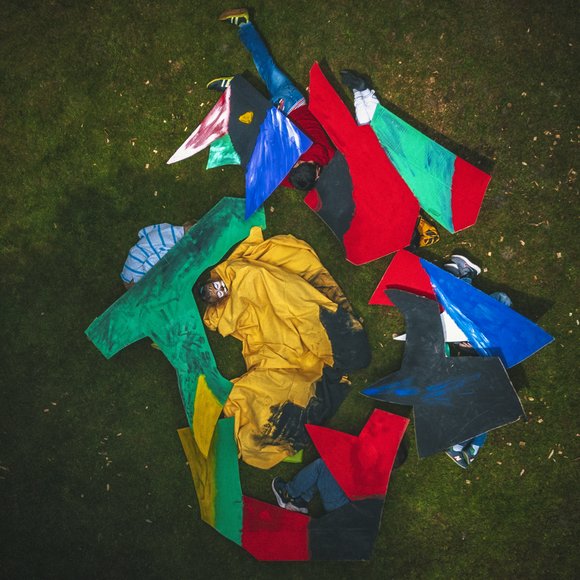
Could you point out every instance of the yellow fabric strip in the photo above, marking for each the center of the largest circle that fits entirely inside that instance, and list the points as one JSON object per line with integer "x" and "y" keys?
{"x": 207, "y": 412}
{"x": 203, "y": 474}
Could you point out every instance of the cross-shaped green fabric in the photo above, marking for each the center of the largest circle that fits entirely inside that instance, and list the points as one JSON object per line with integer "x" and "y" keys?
{"x": 161, "y": 306}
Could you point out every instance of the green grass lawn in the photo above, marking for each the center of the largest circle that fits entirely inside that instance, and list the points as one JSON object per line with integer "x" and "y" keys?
{"x": 94, "y": 98}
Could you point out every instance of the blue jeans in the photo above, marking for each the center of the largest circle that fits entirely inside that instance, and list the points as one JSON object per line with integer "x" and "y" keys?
{"x": 283, "y": 93}
{"x": 479, "y": 440}
{"x": 313, "y": 478}
{"x": 499, "y": 296}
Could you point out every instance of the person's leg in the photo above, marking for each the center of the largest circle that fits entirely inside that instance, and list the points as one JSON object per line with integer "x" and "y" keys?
{"x": 304, "y": 484}
{"x": 282, "y": 91}
{"x": 502, "y": 297}
{"x": 317, "y": 476}
{"x": 473, "y": 447}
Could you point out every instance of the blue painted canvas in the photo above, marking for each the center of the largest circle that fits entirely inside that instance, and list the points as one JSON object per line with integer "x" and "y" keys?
{"x": 491, "y": 327}
{"x": 278, "y": 147}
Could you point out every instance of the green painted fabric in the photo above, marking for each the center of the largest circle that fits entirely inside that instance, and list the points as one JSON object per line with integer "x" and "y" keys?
{"x": 426, "y": 166}
{"x": 222, "y": 152}
{"x": 162, "y": 307}
{"x": 228, "y": 500}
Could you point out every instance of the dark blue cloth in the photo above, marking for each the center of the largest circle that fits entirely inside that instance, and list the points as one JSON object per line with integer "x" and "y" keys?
{"x": 314, "y": 478}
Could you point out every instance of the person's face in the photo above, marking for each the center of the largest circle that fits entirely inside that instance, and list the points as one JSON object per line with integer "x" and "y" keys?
{"x": 214, "y": 291}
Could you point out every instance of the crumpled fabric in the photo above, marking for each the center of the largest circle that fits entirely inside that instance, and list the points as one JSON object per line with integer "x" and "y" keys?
{"x": 277, "y": 288}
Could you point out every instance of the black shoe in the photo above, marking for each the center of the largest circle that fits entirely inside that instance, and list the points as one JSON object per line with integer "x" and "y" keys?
{"x": 353, "y": 80}
{"x": 220, "y": 84}
{"x": 284, "y": 500}
{"x": 237, "y": 16}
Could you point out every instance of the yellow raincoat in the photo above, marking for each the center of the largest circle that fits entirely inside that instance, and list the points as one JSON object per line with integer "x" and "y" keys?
{"x": 277, "y": 287}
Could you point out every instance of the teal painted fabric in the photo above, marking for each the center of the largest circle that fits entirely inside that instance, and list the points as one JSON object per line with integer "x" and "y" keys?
{"x": 426, "y": 166}
{"x": 162, "y": 307}
{"x": 228, "y": 501}
{"x": 222, "y": 152}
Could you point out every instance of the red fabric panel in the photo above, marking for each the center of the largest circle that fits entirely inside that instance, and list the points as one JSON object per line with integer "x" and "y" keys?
{"x": 312, "y": 200}
{"x": 386, "y": 210}
{"x": 273, "y": 533}
{"x": 322, "y": 149}
{"x": 467, "y": 191}
{"x": 214, "y": 126}
{"x": 361, "y": 465}
{"x": 404, "y": 273}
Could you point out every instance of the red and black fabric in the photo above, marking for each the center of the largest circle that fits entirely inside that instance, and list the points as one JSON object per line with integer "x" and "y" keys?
{"x": 361, "y": 465}
{"x": 386, "y": 210}
{"x": 405, "y": 272}
{"x": 322, "y": 150}
{"x": 332, "y": 197}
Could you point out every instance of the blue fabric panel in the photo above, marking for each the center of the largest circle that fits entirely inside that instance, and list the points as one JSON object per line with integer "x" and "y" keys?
{"x": 491, "y": 327}
{"x": 278, "y": 147}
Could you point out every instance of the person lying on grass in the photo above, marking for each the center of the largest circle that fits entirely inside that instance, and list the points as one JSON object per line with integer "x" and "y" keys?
{"x": 286, "y": 98}
{"x": 299, "y": 340}
{"x": 154, "y": 242}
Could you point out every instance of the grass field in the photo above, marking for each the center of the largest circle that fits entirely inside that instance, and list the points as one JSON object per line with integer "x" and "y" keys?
{"x": 94, "y": 98}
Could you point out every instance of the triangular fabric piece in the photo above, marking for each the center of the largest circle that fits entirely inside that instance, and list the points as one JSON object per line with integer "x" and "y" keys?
{"x": 386, "y": 210}
{"x": 278, "y": 147}
{"x": 451, "y": 332}
{"x": 491, "y": 327}
{"x": 467, "y": 191}
{"x": 361, "y": 465}
{"x": 405, "y": 272}
{"x": 454, "y": 398}
{"x": 273, "y": 533}
{"x": 442, "y": 182}
{"x": 214, "y": 126}
{"x": 222, "y": 152}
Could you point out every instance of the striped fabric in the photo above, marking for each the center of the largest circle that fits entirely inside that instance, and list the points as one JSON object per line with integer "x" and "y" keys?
{"x": 154, "y": 242}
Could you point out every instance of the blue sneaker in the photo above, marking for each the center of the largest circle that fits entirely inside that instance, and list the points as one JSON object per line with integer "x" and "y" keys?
{"x": 465, "y": 266}
{"x": 293, "y": 504}
{"x": 457, "y": 457}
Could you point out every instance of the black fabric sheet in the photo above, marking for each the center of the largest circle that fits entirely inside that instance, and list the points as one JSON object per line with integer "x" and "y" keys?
{"x": 245, "y": 98}
{"x": 453, "y": 398}
{"x": 347, "y": 533}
